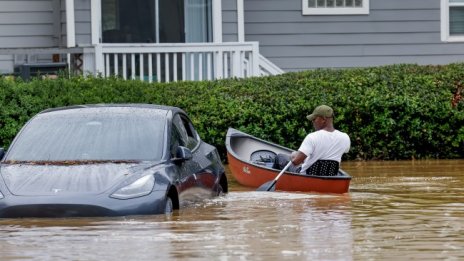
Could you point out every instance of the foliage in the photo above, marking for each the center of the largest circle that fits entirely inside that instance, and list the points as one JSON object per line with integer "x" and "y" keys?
{"x": 390, "y": 112}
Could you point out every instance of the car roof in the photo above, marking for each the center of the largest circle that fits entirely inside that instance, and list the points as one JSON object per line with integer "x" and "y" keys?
{"x": 122, "y": 105}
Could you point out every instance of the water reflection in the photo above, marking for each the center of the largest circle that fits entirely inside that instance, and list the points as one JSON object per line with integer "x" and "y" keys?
{"x": 395, "y": 210}
{"x": 408, "y": 209}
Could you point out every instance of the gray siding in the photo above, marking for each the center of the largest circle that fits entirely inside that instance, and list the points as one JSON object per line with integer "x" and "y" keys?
{"x": 25, "y": 24}
{"x": 229, "y": 21}
{"x": 33, "y": 23}
{"x": 39, "y": 24}
{"x": 395, "y": 31}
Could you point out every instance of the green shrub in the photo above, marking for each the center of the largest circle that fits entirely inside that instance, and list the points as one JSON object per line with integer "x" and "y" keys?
{"x": 390, "y": 112}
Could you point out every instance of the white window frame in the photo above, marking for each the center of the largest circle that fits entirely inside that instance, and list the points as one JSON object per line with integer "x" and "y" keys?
{"x": 364, "y": 10}
{"x": 445, "y": 26}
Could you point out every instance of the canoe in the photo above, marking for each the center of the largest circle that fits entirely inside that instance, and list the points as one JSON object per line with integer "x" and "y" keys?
{"x": 251, "y": 164}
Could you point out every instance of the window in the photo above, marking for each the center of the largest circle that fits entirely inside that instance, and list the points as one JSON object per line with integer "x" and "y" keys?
{"x": 126, "y": 21}
{"x": 452, "y": 20}
{"x": 186, "y": 132}
{"x": 91, "y": 135}
{"x": 156, "y": 21}
{"x": 335, "y": 7}
{"x": 176, "y": 141}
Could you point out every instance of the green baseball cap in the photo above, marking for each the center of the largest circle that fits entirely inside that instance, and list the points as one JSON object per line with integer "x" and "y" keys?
{"x": 323, "y": 111}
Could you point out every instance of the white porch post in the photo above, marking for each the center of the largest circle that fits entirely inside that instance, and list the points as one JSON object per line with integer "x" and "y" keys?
{"x": 99, "y": 61}
{"x": 218, "y": 61}
{"x": 240, "y": 21}
{"x": 236, "y": 64}
{"x": 217, "y": 21}
{"x": 70, "y": 24}
{"x": 217, "y": 38}
{"x": 96, "y": 21}
{"x": 444, "y": 9}
{"x": 255, "y": 59}
{"x": 95, "y": 17}
{"x": 88, "y": 65}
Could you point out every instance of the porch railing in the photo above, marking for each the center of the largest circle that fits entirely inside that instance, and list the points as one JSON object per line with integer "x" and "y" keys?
{"x": 178, "y": 62}
{"x": 150, "y": 62}
{"x": 266, "y": 67}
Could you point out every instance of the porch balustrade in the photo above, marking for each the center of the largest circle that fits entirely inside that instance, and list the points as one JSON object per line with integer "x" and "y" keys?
{"x": 155, "y": 62}
{"x": 179, "y": 61}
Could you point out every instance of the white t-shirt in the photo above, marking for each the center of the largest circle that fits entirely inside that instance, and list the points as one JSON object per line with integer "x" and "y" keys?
{"x": 324, "y": 145}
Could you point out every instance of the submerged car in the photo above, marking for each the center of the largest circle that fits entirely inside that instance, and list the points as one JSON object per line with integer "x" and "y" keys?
{"x": 107, "y": 160}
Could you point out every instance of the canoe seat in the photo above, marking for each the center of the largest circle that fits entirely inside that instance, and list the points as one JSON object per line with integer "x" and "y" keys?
{"x": 263, "y": 157}
{"x": 324, "y": 168}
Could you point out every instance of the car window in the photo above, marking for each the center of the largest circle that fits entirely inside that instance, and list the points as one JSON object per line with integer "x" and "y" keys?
{"x": 179, "y": 126}
{"x": 125, "y": 135}
{"x": 193, "y": 138}
{"x": 186, "y": 131}
{"x": 176, "y": 141}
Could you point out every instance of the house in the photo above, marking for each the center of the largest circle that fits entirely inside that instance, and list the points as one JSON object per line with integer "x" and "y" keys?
{"x": 171, "y": 40}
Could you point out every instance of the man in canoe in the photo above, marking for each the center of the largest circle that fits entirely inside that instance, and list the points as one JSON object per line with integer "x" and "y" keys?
{"x": 321, "y": 151}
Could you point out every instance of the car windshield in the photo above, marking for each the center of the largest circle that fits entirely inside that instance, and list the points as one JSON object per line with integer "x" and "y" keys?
{"x": 91, "y": 134}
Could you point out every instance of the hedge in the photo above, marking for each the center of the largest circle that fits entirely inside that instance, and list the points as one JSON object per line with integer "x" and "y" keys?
{"x": 390, "y": 112}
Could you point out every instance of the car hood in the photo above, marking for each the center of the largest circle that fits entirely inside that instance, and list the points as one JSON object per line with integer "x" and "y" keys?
{"x": 35, "y": 180}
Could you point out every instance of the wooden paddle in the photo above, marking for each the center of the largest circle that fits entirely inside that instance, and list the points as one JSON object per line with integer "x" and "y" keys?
{"x": 270, "y": 185}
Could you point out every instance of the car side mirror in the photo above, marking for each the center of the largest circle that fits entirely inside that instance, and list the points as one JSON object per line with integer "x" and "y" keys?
{"x": 2, "y": 153}
{"x": 183, "y": 154}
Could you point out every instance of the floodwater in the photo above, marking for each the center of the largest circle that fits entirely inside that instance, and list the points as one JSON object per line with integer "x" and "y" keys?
{"x": 398, "y": 210}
